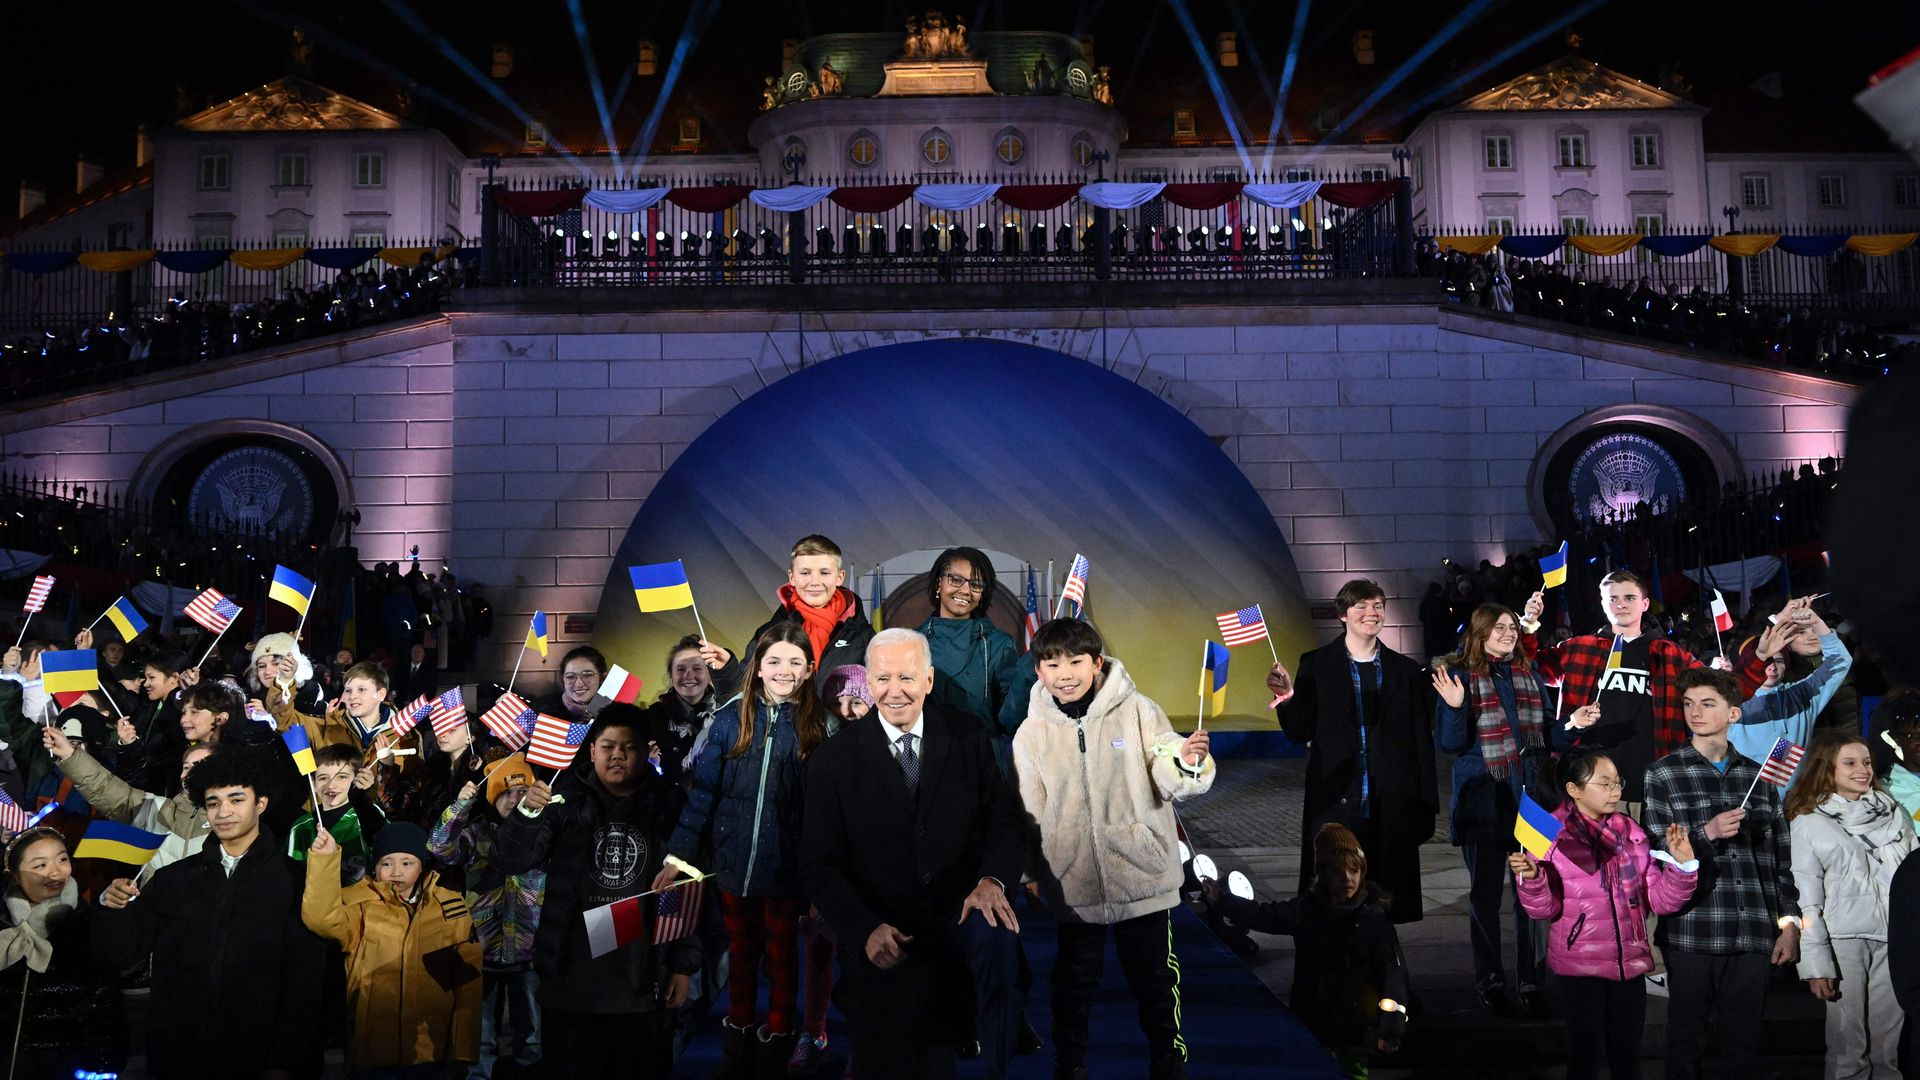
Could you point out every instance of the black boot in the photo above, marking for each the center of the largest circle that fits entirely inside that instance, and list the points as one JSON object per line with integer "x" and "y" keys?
{"x": 737, "y": 1047}
{"x": 1171, "y": 1067}
{"x": 771, "y": 1055}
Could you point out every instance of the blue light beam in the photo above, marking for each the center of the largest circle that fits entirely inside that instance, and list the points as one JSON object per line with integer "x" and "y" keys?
{"x": 599, "y": 89}
{"x": 1214, "y": 83}
{"x": 1407, "y": 67}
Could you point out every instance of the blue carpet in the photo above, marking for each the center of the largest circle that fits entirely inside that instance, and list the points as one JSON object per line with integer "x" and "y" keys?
{"x": 1235, "y": 1029}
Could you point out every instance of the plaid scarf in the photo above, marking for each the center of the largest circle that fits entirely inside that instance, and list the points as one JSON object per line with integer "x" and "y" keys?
{"x": 1594, "y": 845}
{"x": 1497, "y": 747}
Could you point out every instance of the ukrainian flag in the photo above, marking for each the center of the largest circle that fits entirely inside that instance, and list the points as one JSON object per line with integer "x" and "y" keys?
{"x": 1536, "y": 828}
{"x": 537, "y": 633}
{"x": 1614, "y": 654}
{"x": 1553, "y": 568}
{"x": 126, "y": 619}
{"x": 291, "y": 589}
{"x": 68, "y": 673}
{"x": 118, "y": 842}
{"x": 300, "y": 747}
{"x": 661, "y": 586}
{"x": 1213, "y": 678}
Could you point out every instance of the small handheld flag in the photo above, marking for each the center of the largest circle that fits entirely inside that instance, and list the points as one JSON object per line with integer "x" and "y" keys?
{"x": 661, "y": 586}
{"x": 537, "y": 634}
{"x": 879, "y": 622}
{"x": 1075, "y": 590}
{"x": 448, "y": 712}
{"x": 300, "y": 747}
{"x": 678, "y": 911}
{"x": 1722, "y": 618}
{"x": 68, "y": 673}
{"x": 1615, "y": 654}
{"x": 118, "y": 842}
{"x": 620, "y": 685}
{"x": 1781, "y": 761}
{"x": 1033, "y": 608}
{"x": 125, "y": 619}
{"x": 405, "y": 720}
{"x": 213, "y": 611}
{"x": 510, "y": 720}
{"x": 37, "y": 596}
{"x": 1536, "y": 828}
{"x": 1213, "y": 680}
{"x": 12, "y": 818}
{"x": 1553, "y": 568}
{"x": 1243, "y": 626}
{"x": 292, "y": 589}
{"x": 555, "y": 741}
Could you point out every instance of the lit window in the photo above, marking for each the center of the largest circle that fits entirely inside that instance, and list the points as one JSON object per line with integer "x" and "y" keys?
{"x": 1183, "y": 125}
{"x": 1502, "y": 226}
{"x": 1082, "y": 151}
{"x": 863, "y": 151}
{"x": 1832, "y": 189}
{"x": 293, "y": 170}
{"x": 936, "y": 148}
{"x": 1499, "y": 151}
{"x": 1573, "y": 152}
{"x": 1297, "y": 176}
{"x": 215, "y": 172}
{"x": 1756, "y": 189}
{"x": 1010, "y": 147}
{"x": 1373, "y": 172}
{"x": 1646, "y": 150}
{"x": 690, "y": 131}
{"x": 369, "y": 170}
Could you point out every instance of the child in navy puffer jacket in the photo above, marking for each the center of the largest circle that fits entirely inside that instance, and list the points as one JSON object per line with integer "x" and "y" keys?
{"x": 1595, "y": 889}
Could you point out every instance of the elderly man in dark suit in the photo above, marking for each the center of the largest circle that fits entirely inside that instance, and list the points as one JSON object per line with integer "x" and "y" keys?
{"x": 909, "y": 842}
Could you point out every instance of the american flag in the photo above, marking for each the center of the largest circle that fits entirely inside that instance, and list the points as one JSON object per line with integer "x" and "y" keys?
{"x": 678, "y": 912}
{"x": 12, "y": 818}
{"x": 449, "y": 712}
{"x": 1240, "y": 627}
{"x": 510, "y": 720}
{"x": 1033, "y": 608}
{"x": 555, "y": 741}
{"x": 37, "y": 596}
{"x": 213, "y": 611}
{"x": 409, "y": 718}
{"x": 1781, "y": 761}
{"x": 1075, "y": 589}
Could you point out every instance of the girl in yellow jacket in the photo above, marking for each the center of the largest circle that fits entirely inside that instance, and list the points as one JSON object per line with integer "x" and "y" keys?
{"x": 413, "y": 963}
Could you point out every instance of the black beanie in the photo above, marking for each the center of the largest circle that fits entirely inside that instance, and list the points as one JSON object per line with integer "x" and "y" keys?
{"x": 401, "y": 838}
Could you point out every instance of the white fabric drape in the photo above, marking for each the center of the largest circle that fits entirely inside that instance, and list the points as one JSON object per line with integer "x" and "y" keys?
{"x": 954, "y": 197}
{"x": 626, "y": 202}
{"x": 1111, "y": 195}
{"x": 1282, "y": 196}
{"x": 790, "y": 198}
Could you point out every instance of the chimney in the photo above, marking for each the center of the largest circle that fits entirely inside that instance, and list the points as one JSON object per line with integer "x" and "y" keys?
{"x": 648, "y": 62}
{"x": 142, "y": 146}
{"x": 86, "y": 173}
{"x": 1363, "y": 46}
{"x": 33, "y": 196}
{"x": 1226, "y": 49}
{"x": 502, "y": 61}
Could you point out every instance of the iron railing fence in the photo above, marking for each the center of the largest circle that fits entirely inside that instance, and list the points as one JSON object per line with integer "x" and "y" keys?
{"x": 831, "y": 244}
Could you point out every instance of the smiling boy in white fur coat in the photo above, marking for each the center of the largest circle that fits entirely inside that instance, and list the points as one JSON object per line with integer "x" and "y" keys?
{"x": 1099, "y": 769}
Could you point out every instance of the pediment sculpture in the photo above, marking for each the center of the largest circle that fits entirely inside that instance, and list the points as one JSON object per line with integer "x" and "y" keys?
{"x": 930, "y": 38}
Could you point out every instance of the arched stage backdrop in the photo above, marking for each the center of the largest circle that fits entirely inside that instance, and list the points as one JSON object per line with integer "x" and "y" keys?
{"x": 1003, "y": 446}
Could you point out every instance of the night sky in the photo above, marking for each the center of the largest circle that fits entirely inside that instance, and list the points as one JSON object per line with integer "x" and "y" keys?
{"x": 78, "y": 78}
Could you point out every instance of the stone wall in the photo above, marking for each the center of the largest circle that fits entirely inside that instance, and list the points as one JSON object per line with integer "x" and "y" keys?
{"x": 518, "y": 446}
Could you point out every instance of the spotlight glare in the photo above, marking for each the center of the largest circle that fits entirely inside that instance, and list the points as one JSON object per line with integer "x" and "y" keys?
{"x": 1204, "y": 869}
{"x": 1238, "y": 885}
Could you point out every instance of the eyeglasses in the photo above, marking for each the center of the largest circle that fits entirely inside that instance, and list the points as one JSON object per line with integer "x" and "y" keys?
{"x": 581, "y": 677}
{"x": 1609, "y": 785}
{"x": 955, "y": 581}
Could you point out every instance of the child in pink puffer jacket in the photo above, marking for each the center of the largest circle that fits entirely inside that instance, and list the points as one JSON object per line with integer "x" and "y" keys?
{"x": 1594, "y": 890}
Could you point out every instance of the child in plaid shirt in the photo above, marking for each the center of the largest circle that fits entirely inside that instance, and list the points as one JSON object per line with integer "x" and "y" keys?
{"x": 1746, "y": 912}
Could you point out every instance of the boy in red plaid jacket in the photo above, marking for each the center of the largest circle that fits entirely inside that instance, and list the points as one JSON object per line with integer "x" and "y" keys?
{"x": 1579, "y": 665}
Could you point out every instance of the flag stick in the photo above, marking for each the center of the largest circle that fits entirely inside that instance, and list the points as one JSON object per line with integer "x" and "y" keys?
{"x": 1202, "y": 715}
{"x": 317, "y": 823}
{"x": 303, "y": 618}
{"x": 1750, "y": 787}
{"x": 1049, "y": 580}
{"x": 115, "y": 704}
{"x": 516, "y": 666}
{"x": 23, "y": 629}
{"x": 215, "y": 643}
{"x": 1270, "y": 646}
{"x": 696, "y": 614}
{"x": 97, "y": 618}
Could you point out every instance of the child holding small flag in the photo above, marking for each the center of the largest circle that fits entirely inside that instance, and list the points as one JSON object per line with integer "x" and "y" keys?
{"x": 1349, "y": 979}
{"x": 1746, "y": 913}
{"x": 281, "y": 678}
{"x": 742, "y": 822}
{"x": 1849, "y": 838}
{"x": 1100, "y": 768}
{"x": 413, "y": 962}
{"x": 679, "y": 717}
{"x": 1593, "y": 889}
{"x": 66, "y": 1007}
{"x": 600, "y": 831}
{"x": 346, "y": 812}
{"x": 506, "y": 908}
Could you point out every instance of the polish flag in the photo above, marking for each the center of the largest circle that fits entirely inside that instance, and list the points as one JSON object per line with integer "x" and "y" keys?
{"x": 1722, "y": 618}
{"x": 621, "y": 685}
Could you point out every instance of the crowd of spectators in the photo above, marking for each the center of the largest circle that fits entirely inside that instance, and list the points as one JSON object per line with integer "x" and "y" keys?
{"x": 190, "y": 329}
{"x": 1697, "y": 318}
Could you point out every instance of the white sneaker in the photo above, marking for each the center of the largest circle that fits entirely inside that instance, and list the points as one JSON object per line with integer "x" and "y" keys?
{"x": 1657, "y": 984}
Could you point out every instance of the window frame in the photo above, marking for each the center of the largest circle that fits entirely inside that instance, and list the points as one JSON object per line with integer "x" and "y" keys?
{"x": 1906, "y": 189}
{"x": 1019, "y": 141}
{"x": 220, "y": 162}
{"x": 1653, "y": 158}
{"x": 1839, "y": 181}
{"x": 1497, "y": 152}
{"x": 1501, "y": 225}
{"x": 945, "y": 141}
{"x": 1765, "y": 188}
{"x": 365, "y": 178}
{"x": 1186, "y": 125}
{"x": 872, "y": 145}
{"x": 1577, "y": 142}
{"x": 281, "y": 171}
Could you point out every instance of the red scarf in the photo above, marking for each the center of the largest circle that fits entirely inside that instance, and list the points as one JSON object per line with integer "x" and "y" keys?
{"x": 819, "y": 622}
